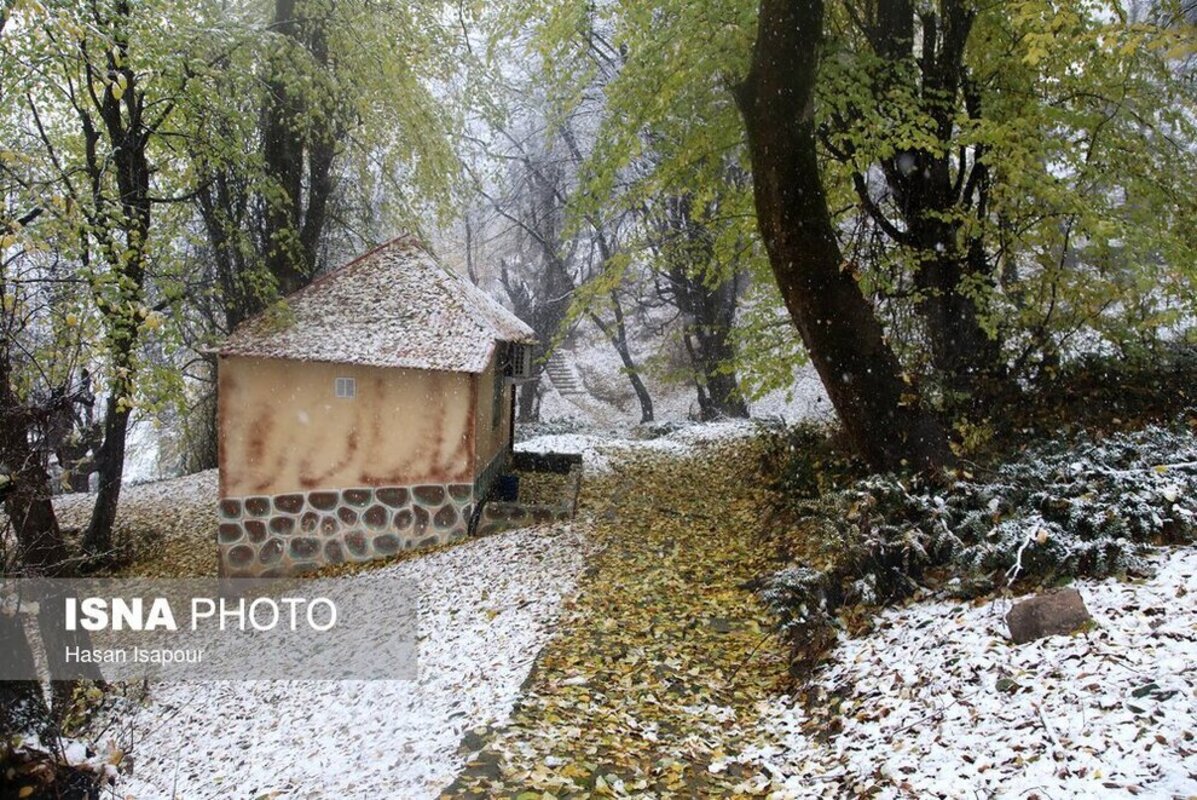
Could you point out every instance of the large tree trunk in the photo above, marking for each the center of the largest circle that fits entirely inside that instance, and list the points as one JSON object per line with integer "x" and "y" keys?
{"x": 273, "y": 223}
{"x": 708, "y": 344}
{"x": 283, "y": 157}
{"x": 717, "y": 318}
{"x": 110, "y": 466}
{"x": 882, "y": 416}
{"x": 223, "y": 201}
{"x": 687, "y": 249}
{"x": 298, "y": 152}
{"x": 23, "y": 708}
{"x": 712, "y": 314}
{"x": 967, "y": 359}
{"x": 719, "y": 396}
{"x": 27, "y": 501}
{"x": 43, "y": 553}
{"x": 129, "y": 137}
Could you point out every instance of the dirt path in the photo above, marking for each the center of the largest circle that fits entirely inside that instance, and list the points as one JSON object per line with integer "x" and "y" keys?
{"x": 660, "y": 661}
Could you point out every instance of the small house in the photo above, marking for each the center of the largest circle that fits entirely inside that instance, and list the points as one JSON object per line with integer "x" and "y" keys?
{"x": 369, "y": 413}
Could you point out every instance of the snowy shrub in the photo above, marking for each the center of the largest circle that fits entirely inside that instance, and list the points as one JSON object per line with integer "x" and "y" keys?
{"x": 1058, "y": 511}
{"x": 804, "y": 600}
{"x": 804, "y": 459}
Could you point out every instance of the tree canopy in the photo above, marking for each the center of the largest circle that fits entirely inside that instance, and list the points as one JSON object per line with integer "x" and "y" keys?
{"x": 1004, "y": 181}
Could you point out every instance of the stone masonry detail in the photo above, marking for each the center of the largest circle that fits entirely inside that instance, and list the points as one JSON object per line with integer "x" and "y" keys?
{"x": 270, "y": 536}
{"x": 499, "y": 516}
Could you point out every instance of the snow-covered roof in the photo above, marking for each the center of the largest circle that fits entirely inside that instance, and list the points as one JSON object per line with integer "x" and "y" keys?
{"x": 395, "y": 306}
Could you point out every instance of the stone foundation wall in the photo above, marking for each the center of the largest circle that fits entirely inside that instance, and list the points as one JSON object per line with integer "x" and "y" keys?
{"x": 498, "y": 516}
{"x": 291, "y": 533}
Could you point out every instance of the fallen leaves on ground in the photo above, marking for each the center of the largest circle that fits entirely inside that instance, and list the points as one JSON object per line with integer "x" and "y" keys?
{"x": 164, "y": 529}
{"x": 660, "y": 660}
{"x": 937, "y": 702}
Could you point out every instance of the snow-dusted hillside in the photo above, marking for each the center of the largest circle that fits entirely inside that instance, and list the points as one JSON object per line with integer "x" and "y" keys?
{"x": 609, "y": 401}
{"x": 937, "y": 702}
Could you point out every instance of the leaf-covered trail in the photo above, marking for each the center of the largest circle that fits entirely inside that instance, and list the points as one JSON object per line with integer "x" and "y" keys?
{"x": 661, "y": 659}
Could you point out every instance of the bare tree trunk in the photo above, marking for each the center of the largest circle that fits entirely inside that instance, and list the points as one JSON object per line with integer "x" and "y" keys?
{"x": 110, "y": 465}
{"x": 130, "y": 141}
{"x": 617, "y": 335}
{"x": 881, "y": 415}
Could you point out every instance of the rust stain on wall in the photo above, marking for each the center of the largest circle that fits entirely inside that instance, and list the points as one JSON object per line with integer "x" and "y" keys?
{"x": 322, "y": 478}
{"x": 471, "y": 438}
{"x": 402, "y": 427}
{"x": 259, "y": 435}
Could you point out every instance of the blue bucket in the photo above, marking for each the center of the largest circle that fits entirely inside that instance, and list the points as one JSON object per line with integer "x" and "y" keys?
{"x": 507, "y": 488}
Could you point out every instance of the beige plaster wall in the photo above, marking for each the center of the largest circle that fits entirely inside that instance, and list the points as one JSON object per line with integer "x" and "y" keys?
{"x": 489, "y": 440}
{"x": 283, "y": 429}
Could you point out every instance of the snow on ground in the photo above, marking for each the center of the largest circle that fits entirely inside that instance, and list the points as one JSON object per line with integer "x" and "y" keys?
{"x": 486, "y": 608}
{"x": 589, "y": 446}
{"x": 150, "y": 515}
{"x": 598, "y": 447}
{"x": 599, "y": 368}
{"x": 939, "y": 703}
{"x": 168, "y": 509}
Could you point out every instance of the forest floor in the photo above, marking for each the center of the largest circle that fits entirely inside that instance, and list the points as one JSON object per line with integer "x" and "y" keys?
{"x": 660, "y": 660}
{"x": 662, "y": 679}
{"x": 486, "y": 607}
{"x": 628, "y": 655}
{"x": 937, "y": 702}
{"x": 665, "y": 539}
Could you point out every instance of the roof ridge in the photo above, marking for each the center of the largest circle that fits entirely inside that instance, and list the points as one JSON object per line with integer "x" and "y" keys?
{"x": 320, "y": 280}
{"x": 467, "y": 304}
{"x": 396, "y": 305}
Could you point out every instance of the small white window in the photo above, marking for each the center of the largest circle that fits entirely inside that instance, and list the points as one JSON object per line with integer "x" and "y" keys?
{"x": 346, "y": 388}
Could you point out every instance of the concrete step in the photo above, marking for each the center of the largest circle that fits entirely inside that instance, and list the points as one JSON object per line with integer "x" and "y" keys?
{"x": 561, "y": 372}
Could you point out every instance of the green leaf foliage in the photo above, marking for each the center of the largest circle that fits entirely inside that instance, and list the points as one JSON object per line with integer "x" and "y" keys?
{"x": 1070, "y": 142}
